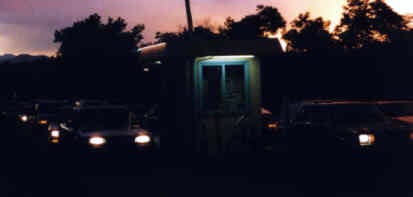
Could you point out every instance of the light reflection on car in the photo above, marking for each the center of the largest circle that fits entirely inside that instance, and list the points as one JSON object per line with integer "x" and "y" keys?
{"x": 399, "y": 110}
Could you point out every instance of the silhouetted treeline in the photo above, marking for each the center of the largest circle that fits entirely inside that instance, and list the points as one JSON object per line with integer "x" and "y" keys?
{"x": 368, "y": 55}
{"x": 27, "y": 78}
{"x": 360, "y": 74}
{"x": 366, "y": 74}
{"x": 53, "y": 79}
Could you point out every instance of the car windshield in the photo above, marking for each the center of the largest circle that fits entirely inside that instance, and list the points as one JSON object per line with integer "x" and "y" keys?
{"x": 92, "y": 120}
{"x": 313, "y": 114}
{"x": 48, "y": 108}
{"x": 356, "y": 113}
{"x": 340, "y": 114}
{"x": 397, "y": 109}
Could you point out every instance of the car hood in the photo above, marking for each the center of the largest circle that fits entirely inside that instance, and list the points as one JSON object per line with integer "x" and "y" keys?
{"x": 390, "y": 126}
{"x": 111, "y": 132}
{"x": 46, "y": 116}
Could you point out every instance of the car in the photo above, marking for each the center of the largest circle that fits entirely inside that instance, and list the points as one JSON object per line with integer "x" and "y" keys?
{"x": 45, "y": 117}
{"x": 272, "y": 136}
{"x": 24, "y": 113}
{"x": 343, "y": 126}
{"x": 110, "y": 127}
{"x": 59, "y": 128}
{"x": 46, "y": 110}
{"x": 19, "y": 115}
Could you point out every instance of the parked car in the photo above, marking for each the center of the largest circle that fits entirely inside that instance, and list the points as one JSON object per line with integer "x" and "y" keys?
{"x": 344, "y": 125}
{"x": 24, "y": 114}
{"x": 60, "y": 130}
{"x": 111, "y": 127}
{"x": 273, "y": 138}
{"x": 45, "y": 117}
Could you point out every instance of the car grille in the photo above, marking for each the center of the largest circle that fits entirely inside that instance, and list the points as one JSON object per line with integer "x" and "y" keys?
{"x": 120, "y": 141}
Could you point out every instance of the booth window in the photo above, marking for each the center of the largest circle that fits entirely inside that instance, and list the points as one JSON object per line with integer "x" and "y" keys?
{"x": 234, "y": 95}
{"x": 212, "y": 87}
{"x": 223, "y": 87}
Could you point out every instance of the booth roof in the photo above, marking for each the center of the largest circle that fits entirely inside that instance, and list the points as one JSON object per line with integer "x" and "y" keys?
{"x": 262, "y": 47}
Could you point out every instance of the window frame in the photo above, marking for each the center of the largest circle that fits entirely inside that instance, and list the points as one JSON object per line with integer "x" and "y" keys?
{"x": 223, "y": 65}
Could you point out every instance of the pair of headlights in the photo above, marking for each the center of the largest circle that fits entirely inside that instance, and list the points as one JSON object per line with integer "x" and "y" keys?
{"x": 141, "y": 139}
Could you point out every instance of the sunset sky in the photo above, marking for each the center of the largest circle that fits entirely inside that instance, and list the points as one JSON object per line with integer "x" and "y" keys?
{"x": 27, "y": 26}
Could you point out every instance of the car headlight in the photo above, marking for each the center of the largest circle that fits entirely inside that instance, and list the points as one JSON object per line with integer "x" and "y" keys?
{"x": 366, "y": 139}
{"x": 142, "y": 139}
{"x": 55, "y": 133}
{"x": 97, "y": 141}
{"x": 24, "y": 118}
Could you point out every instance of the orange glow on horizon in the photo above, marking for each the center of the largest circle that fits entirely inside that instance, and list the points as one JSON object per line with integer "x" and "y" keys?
{"x": 332, "y": 10}
{"x": 278, "y": 36}
{"x": 401, "y": 6}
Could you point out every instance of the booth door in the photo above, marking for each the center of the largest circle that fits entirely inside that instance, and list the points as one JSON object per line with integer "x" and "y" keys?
{"x": 223, "y": 105}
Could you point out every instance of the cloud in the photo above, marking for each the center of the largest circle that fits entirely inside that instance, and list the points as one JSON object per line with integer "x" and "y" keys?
{"x": 26, "y": 39}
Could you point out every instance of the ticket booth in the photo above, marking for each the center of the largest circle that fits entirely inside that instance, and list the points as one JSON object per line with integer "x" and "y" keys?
{"x": 228, "y": 95}
{"x": 211, "y": 92}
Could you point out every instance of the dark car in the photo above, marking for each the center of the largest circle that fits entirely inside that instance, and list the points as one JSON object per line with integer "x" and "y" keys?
{"x": 60, "y": 127}
{"x": 45, "y": 119}
{"x": 46, "y": 110}
{"x": 111, "y": 128}
{"x": 23, "y": 116}
{"x": 273, "y": 138}
{"x": 19, "y": 114}
{"x": 332, "y": 126}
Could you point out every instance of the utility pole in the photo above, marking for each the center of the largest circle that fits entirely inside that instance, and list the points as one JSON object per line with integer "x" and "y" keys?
{"x": 189, "y": 17}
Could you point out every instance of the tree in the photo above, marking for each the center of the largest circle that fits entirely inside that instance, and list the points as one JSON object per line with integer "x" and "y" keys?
{"x": 366, "y": 23}
{"x": 90, "y": 37}
{"x": 199, "y": 33}
{"x": 101, "y": 56}
{"x": 166, "y": 37}
{"x": 309, "y": 35}
{"x": 267, "y": 19}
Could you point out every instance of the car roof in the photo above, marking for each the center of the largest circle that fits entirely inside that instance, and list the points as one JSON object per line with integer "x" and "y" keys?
{"x": 333, "y": 102}
{"x": 97, "y": 107}
{"x": 49, "y": 101}
{"x": 394, "y": 102}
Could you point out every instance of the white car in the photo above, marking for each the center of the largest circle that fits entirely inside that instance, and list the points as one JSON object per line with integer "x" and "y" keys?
{"x": 111, "y": 127}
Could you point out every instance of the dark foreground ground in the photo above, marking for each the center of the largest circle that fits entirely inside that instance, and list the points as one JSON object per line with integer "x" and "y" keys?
{"x": 29, "y": 168}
